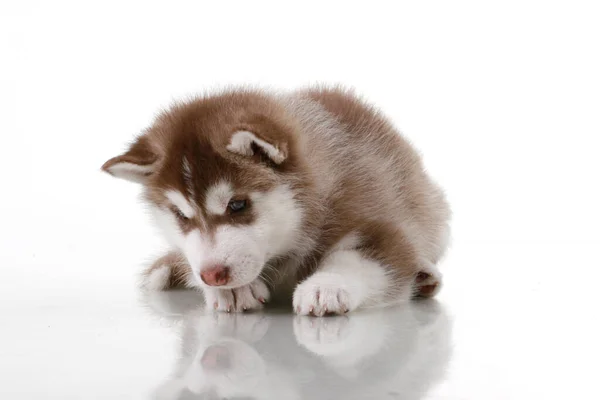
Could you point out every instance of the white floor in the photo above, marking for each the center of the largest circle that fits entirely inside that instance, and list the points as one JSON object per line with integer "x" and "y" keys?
{"x": 526, "y": 329}
{"x": 500, "y": 97}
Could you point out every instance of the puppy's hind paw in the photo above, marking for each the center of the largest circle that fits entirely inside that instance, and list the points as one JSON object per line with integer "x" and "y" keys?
{"x": 427, "y": 284}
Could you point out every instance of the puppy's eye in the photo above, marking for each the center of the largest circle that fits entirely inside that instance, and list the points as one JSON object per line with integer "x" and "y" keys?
{"x": 180, "y": 216}
{"x": 237, "y": 205}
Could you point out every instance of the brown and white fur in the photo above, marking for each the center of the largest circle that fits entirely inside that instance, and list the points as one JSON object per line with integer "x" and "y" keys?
{"x": 263, "y": 193}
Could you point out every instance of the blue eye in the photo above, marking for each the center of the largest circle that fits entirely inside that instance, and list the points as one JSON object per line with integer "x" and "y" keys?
{"x": 237, "y": 205}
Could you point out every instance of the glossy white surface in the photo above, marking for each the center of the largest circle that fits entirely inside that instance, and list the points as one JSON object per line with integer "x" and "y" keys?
{"x": 499, "y": 338}
{"x": 501, "y": 99}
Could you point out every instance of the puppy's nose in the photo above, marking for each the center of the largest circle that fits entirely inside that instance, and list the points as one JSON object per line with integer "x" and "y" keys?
{"x": 217, "y": 275}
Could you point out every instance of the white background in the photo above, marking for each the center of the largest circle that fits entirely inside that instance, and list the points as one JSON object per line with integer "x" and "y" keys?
{"x": 502, "y": 98}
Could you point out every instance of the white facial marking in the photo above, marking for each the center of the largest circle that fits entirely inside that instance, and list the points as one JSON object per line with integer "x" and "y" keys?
{"x": 217, "y": 198}
{"x": 130, "y": 171}
{"x": 181, "y": 202}
{"x": 241, "y": 143}
{"x": 280, "y": 217}
{"x": 243, "y": 248}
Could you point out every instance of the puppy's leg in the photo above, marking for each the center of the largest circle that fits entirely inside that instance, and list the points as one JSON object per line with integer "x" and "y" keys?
{"x": 345, "y": 281}
{"x": 168, "y": 272}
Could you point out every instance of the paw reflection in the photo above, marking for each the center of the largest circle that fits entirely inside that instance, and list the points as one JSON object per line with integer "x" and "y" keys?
{"x": 367, "y": 354}
{"x": 313, "y": 332}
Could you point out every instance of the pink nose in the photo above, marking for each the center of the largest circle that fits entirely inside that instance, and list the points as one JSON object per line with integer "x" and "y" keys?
{"x": 215, "y": 276}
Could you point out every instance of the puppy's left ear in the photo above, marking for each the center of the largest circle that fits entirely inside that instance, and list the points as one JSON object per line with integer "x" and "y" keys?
{"x": 248, "y": 143}
{"x": 136, "y": 164}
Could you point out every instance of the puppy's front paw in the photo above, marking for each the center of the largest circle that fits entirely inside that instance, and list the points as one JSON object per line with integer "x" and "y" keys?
{"x": 324, "y": 293}
{"x": 244, "y": 298}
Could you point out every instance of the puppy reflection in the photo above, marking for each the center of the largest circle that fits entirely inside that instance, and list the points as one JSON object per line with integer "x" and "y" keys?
{"x": 223, "y": 356}
{"x": 385, "y": 353}
{"x": 388, "y": 353}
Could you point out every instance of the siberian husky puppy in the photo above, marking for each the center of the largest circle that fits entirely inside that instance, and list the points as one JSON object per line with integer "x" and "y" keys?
{"x": 311, "y": 195}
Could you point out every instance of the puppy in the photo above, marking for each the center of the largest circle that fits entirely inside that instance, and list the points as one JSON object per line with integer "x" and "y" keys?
{"x": 310, "y": 195}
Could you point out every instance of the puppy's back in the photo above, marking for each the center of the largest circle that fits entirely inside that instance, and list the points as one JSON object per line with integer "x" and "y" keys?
{"x": 380, "y": 175}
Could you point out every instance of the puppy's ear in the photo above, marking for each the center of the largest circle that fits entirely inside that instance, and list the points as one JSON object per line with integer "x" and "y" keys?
{"x": 136, "y": 164}
{"x": 248, "y": 143}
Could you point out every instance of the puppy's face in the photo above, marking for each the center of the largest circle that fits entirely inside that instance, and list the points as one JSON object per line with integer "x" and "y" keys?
{"x": 216, "y": 175}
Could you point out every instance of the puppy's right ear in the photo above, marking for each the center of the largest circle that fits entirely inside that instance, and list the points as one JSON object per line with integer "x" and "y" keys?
{"x": 136, "y": 164}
